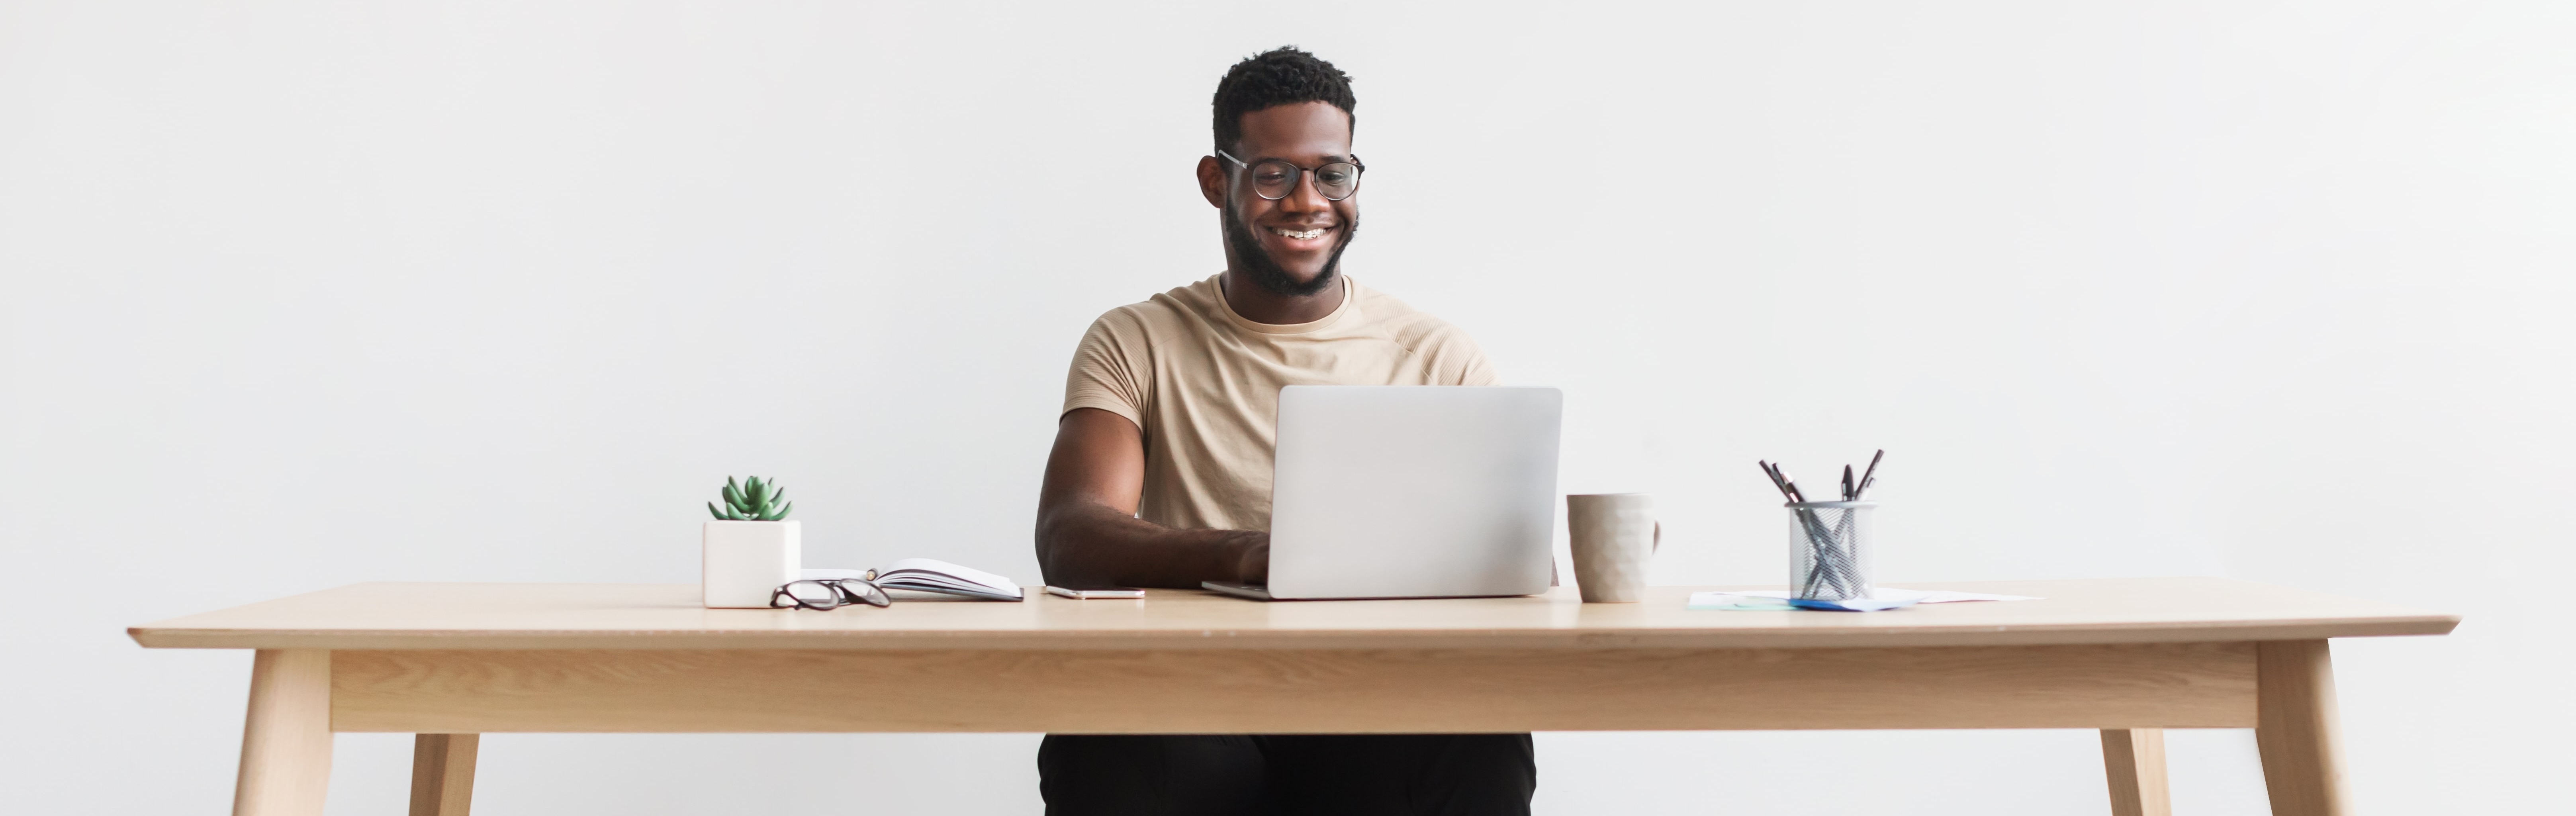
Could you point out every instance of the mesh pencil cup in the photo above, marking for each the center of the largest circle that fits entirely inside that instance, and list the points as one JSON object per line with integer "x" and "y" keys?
{"x": 1830, "y": 549}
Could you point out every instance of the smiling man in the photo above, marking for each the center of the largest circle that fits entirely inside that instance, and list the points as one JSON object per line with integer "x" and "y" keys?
{"x": 1161, "y": 471}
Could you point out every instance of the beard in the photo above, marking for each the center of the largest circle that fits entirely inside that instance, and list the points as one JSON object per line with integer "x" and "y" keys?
{"x": 1266, "y": 272}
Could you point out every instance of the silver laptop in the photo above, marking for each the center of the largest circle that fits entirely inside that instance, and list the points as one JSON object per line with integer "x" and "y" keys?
{"x": 1411, "y": 492}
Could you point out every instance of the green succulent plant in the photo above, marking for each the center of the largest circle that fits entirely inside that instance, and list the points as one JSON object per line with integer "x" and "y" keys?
{"x": 754, "y": 500}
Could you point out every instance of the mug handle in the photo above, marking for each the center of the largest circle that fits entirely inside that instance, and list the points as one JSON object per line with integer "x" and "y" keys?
{"x": 1659, "y": 537}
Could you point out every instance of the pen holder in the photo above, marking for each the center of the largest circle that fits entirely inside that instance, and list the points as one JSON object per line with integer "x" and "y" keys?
{"x": 1830, "y": 552}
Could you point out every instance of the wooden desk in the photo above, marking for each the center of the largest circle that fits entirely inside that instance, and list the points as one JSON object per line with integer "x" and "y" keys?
{"x": 451, "y": 661}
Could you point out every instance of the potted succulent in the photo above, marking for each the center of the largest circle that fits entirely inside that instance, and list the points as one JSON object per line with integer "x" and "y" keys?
{"x": 749, "y": 550}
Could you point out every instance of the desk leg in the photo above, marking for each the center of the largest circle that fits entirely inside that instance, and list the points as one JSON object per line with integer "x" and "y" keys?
{"x": 442, "y": 774}
{"x": 2134, "y": 760}
{"x": 286, "y": 743}
{"x": 2295, "y": 728}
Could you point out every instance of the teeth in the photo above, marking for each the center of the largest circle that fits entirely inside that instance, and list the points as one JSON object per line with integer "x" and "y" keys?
{"x": 1302, "y": 235}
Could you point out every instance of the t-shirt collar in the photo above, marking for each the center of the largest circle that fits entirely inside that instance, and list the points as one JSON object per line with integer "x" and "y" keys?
{"x": 1350, "y": 295}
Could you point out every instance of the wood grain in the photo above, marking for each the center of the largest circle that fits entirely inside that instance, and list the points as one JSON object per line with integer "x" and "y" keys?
{"x": 1279, "y": 691}
{"x": 2133, "y": 759}
{"x": 2298, "y": 732}
{"x": 667, "y": 616}
{"x": 286, "y": 740}
{"x": 442, "y": 774}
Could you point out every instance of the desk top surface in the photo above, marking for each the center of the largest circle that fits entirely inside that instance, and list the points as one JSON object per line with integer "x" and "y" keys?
{"x": 668, "y": 616}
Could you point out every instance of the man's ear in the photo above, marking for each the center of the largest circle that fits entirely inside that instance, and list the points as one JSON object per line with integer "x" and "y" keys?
{"x": 1212, "y": 181}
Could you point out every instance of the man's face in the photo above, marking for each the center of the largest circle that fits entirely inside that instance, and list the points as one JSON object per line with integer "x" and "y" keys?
{"x": 1294, "y": 243}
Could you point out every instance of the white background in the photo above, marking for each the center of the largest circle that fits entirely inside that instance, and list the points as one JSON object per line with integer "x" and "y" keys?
{"x": 299, "y": 295}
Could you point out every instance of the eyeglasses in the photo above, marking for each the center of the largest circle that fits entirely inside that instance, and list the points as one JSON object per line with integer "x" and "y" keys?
{"x": 1274, "y": 179}
{"x": 828, "y": 593}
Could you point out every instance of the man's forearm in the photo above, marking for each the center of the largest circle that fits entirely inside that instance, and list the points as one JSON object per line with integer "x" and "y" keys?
{"x": 1085, "y": 544}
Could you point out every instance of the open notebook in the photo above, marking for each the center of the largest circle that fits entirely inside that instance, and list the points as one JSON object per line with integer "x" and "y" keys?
{"x": 932, "y": 575}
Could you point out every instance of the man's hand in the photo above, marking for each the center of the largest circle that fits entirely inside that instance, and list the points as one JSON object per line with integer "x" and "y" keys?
{"x": 1254, "y": 565}
{"x": 1089, "y": 536}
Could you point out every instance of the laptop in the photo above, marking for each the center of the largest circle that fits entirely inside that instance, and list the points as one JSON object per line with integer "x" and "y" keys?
{"x": 1411, "y": 492}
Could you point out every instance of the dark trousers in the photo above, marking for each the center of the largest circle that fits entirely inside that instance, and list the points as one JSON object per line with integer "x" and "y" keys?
{"x": 1275, "y": 775}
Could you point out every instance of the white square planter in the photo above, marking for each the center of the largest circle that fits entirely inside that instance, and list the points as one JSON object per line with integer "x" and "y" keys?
{"x": 746, "y": 560}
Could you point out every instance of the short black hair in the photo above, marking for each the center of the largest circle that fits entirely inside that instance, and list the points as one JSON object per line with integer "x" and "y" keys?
{"x": 1279, "y": 76}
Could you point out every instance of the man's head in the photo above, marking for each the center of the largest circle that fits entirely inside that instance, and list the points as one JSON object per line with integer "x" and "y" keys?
{"x": 1283, "y": 105}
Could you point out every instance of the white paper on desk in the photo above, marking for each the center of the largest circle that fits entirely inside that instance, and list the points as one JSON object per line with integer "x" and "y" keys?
{"x": 1889, "y": 598}
{"x": 1912, "y": 595}
{"x": 1737, "y": 602}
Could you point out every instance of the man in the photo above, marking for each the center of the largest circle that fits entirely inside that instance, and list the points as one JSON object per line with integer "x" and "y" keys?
{"x": 1161, "y": 471}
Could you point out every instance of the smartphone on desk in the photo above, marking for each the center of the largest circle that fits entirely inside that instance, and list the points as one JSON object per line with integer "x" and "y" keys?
{"x": 1096, "y": 594}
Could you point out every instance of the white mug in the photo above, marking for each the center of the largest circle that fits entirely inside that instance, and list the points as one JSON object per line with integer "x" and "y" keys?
{"x": 1614, "y": 536}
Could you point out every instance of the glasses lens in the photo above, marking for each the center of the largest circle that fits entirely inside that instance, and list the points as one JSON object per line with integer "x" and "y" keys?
{"x": 1338, "y": 180}
{"x": 1273, "y": 179}
{"x": 866, "y": 593}
{"x": 812, "y": 594}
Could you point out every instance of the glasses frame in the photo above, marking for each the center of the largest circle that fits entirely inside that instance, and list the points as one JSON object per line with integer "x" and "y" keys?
{"x": 1302, "y": 173}
{"x": 842, "y": 594}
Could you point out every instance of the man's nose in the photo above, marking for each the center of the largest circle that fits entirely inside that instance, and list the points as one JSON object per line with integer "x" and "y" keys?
{"x": 1305, "y": 198}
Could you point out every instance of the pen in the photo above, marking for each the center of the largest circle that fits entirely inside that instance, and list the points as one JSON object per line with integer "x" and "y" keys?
{"x": 1870, "y": 475}
{"x": 1774, "y": 476}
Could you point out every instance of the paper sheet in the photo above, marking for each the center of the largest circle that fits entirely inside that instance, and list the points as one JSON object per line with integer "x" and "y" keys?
{"x": 1879, "y": 598}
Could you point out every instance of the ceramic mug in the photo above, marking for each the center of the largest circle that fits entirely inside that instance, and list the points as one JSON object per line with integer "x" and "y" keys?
{"x": 1614, "y": 535}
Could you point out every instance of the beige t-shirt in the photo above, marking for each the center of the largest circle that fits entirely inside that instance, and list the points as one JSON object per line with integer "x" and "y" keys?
{"x": 1203, "y": 384}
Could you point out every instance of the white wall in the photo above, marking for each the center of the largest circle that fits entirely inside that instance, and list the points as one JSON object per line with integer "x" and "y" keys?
{"x": 299, "y": 295}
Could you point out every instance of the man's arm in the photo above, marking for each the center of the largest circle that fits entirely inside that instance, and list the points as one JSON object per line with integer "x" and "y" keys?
{"x": 1088, "y": 532}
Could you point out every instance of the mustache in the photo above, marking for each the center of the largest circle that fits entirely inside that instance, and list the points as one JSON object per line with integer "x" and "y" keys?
{"x": 1265, "y": 270}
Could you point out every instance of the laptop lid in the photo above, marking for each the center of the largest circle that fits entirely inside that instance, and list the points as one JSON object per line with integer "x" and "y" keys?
{"x": 1413, "y": 491}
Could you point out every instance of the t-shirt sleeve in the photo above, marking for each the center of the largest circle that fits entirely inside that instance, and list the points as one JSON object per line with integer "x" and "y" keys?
{"x": 1478, "y": 371}
{"x": 1456, "y": 359}
{"x": 1108, "y": 373}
